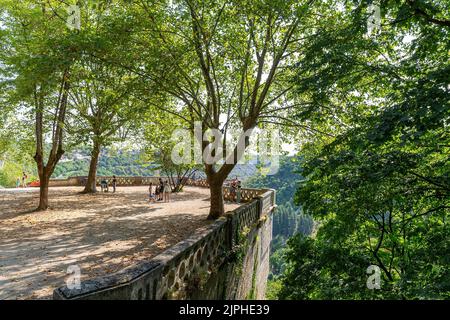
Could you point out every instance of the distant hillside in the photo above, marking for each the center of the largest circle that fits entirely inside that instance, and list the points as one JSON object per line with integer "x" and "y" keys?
{"x": 124, "y": 163}
{"x": 243, "y": 171}
{"x": 120, "y": 163}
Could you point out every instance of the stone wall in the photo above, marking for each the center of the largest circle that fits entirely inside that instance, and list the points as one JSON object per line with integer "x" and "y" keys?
{"x": 69, "y": 182}
{"x": 228, "y": 260}
{"x": 80, "y": 181}
{"x": 247, "y": 194}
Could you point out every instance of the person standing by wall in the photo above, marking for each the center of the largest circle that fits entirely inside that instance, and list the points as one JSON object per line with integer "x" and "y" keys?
{"x": 238, "y": 191}
{"x": 104, "y": 185}
{"x": 24, "y": 179}
{"x": 233, "y": 188}
{"x": 167, "y": 192}
{"x": 114, "y": 184}
{"x": 161, "y": 189}
{"x": 151, "y": 196}
{"x": 157, "y": 192}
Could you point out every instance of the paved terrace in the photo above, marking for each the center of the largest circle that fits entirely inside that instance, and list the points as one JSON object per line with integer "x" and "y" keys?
{"x": 101, "y": 233}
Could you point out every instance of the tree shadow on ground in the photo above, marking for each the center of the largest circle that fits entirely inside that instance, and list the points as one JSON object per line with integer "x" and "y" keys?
{"x": 101, "y": 234}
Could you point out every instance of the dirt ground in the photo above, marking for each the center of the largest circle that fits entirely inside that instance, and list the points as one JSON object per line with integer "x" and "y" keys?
{"x": 100, "y": 233}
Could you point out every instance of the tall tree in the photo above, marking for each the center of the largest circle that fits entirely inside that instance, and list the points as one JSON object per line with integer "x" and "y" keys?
{"x": 39, "y": 53}
{"x": 160, "y": 145}
{"x": 225, "y": 62}
{"x": 104, "y": 110}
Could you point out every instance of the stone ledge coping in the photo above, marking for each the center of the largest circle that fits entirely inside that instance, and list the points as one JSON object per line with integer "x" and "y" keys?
{"x": 122, "y": 277}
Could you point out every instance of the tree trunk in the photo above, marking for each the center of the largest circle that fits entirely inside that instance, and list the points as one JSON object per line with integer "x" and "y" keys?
{"x": 56, "y": 152}
{"x": 91, "y": 184}
{"x": 217, "y": 178}
{"x": 215, "y": 188}
{"x": 43, "y": 192}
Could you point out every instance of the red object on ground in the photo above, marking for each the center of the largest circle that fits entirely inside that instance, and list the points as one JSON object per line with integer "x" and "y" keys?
{"x": 34, "y": 184}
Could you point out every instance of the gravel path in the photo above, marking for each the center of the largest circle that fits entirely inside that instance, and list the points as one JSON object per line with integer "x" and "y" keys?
{"x": 100, "y": 233}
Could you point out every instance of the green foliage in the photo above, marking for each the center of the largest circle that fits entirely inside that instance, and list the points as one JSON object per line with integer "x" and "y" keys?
{"x": 11, "y": 171}
{"x": 111, "y": 162}
{"x": 317, "y": 271}
{"x": 161, "y": 147}
{"x": 273, "y": 289}
{"x": 284, "y": 181}
{"x": 378, "y": 181}
{"x": 288, "y": 218}
{"x": 16, "y": 147}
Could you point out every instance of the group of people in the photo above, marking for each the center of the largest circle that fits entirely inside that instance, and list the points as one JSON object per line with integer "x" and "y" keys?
{"x": 24, "y": 181}
{"x": 162, "y": 188}
{"x": 104, "y": 185}
{"x": 162, "y": 191}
